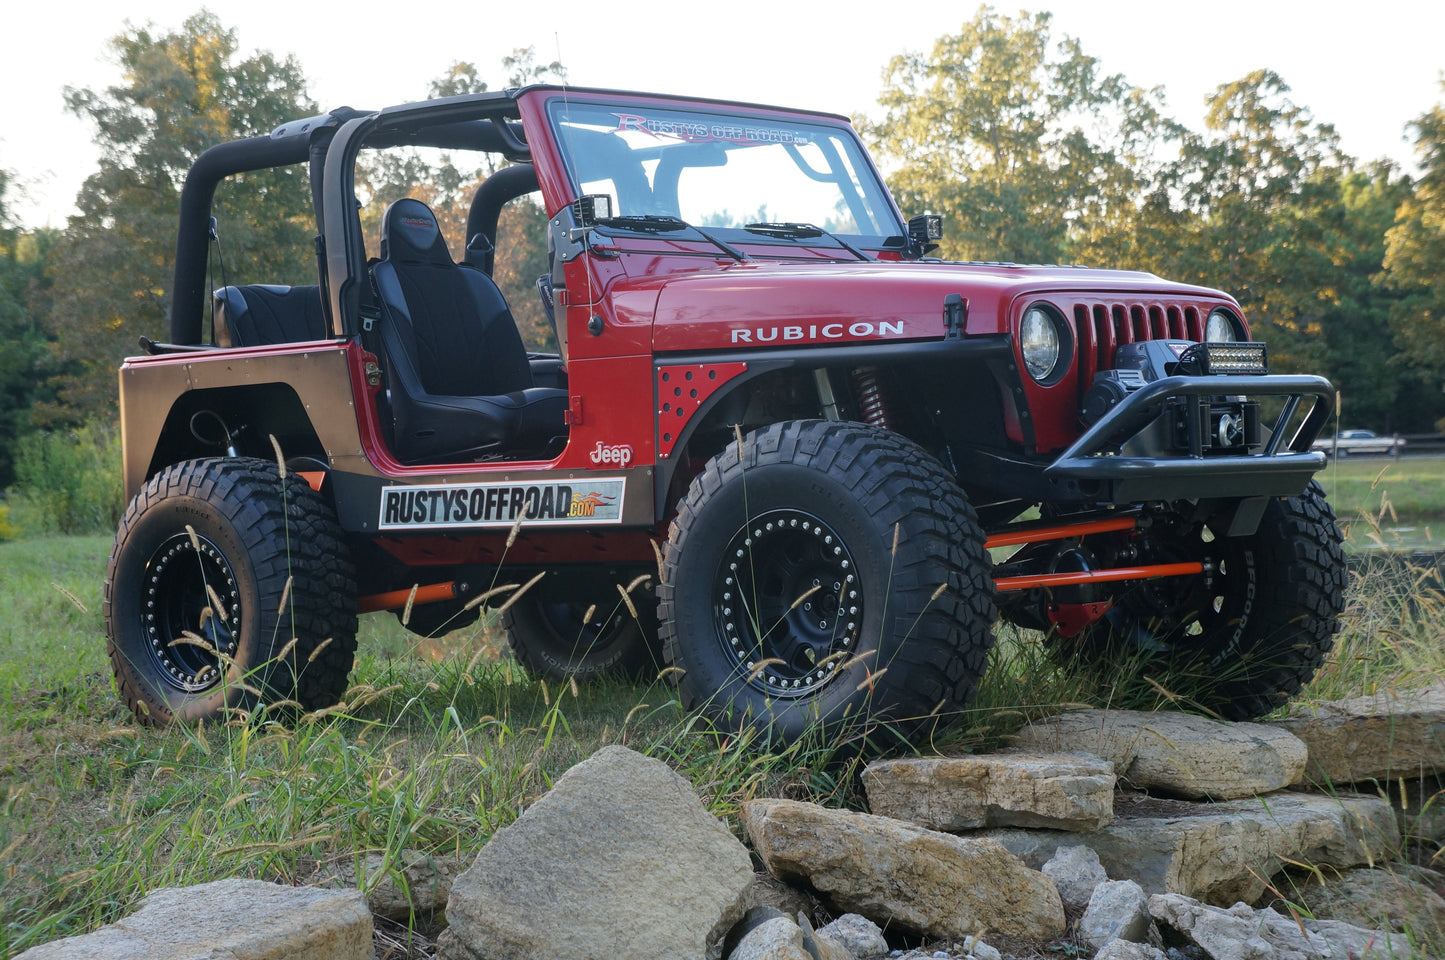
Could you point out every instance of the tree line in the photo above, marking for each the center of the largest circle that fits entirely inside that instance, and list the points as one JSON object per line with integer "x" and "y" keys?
{"x": 1027, "y": 148}
{"x": 1034, "y": 155}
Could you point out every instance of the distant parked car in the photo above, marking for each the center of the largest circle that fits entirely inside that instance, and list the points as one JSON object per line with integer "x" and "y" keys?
{"x": 1358, "y": 443}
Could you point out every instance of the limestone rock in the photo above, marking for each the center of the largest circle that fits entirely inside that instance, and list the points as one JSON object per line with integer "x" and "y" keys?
{"x": 978, "y": 950}
{"x": 858, "y": 935}
{"x": 969, "y": 948}
{"x": 1381, "y": 737}
{"x": 1128, "y": 950}
{"x": 1221, "y": 852}
{"x": 1117, "y": 910}
{"x": 1242, "y": 933}
{"x": 412, "y": 882}
{"x": 1181, "y": 754}
{"x": 821, "y": 948}
{"x": 900, "y": 875}
{"x": 1377, "y": 898}
{"x": 1062, "y": 791}
{"x": 231, "y": 919}
{"x": 1076, "y": 871}
{"x": 620, "y": 858}
{"x": 775, "y": 939}
{"x": 754, "y": 918}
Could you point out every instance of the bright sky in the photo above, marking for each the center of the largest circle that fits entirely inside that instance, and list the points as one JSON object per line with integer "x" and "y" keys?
{"x": 1367, "y": 68}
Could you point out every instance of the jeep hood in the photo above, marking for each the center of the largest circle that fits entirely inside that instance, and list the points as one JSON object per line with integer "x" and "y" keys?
{"x": 761, "y": 304}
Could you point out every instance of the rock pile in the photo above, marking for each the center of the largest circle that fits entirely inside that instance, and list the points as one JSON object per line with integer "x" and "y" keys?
{"x": 1116, "y": 835}
{"x": 920, "y": 881}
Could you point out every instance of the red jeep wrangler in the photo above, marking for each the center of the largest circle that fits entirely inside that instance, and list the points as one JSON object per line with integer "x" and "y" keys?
{"x": 782, "y": 449}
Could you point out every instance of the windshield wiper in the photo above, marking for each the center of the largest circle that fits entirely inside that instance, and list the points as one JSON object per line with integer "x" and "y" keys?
{"x": 657, "y": 223}
{"x": 802, "y": 231}
{"x": 646, "y": 223}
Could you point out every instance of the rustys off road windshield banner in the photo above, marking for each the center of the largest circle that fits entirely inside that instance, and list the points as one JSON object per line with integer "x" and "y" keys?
{"x": 584, "y": 501}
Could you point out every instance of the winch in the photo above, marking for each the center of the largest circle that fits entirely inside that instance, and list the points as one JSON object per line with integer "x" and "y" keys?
{"x": 1193, "y": 424}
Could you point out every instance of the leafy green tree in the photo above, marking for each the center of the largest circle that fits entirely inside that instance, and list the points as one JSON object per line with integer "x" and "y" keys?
{"x": 1032, "y": 154}
{"x": 1261, "y": 212}
{"x": 522, "y": 68}
{"x": 1415, "y": 255}
{"x": 1024, "y": 146}
{"x": 1266, "y": 206}
{"x": 181, "y": 92}
{"x": 25, "y": 363}
{"x": 461, "y": 78}
{"x": 1356, "y": 350}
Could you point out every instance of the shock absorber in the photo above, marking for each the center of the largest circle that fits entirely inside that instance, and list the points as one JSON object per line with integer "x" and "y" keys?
{"x": 872, "y": 404}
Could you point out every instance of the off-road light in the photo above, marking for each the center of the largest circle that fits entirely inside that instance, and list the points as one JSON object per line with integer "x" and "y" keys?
{"x": 591, "y": 208}
{"x": 1221, "y": 328}
{"x": 925, "y": 228}
{"x": 1246, "y": 359}
{"x": 1041, "y": 343}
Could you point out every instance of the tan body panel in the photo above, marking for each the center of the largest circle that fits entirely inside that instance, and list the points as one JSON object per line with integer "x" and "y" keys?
{"x": 321, "y": 375}
{"x": 317, "y": 373}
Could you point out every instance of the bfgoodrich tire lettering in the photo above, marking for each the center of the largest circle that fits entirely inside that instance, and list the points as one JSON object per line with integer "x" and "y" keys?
{"x": 826, "y": 576}
{"x": 193, "y": 600}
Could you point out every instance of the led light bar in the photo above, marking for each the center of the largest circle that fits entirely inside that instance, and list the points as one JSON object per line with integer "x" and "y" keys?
{"x": 1242, "y": 359}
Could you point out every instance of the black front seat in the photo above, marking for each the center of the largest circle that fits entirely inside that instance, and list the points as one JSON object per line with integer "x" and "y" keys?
{"x": 457, "y": 372}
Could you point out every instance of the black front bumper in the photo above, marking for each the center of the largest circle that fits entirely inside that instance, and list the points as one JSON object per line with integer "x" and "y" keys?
{"x": 1094, "y": 469}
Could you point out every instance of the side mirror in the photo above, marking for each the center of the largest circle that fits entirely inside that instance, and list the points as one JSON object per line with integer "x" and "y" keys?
{"x": 923, "y": 230}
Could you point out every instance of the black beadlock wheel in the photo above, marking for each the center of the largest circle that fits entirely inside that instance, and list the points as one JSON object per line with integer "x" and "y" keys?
{"x": 826, "y": 577}
{"x": 193, "y": 598}
{"x": 807, "y": 603}
{"x": 575, "y": 624}
{"x": 1245, "y": 638}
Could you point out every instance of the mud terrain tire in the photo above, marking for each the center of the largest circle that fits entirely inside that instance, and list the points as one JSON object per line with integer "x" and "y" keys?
{"x": 830, "y": 578}
{"x": 270, "y": 552}
{"x": 1250, "y": 642}
{"x": 550, "y": 638}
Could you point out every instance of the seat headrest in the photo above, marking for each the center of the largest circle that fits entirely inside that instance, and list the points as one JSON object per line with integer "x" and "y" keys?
{"x": 409, "y": 232}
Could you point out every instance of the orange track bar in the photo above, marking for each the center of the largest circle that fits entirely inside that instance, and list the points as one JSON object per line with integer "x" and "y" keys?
{"x": 1098, "y": 576}
{"x": 396, "y": 599}
{"x": 1061, "y": 532}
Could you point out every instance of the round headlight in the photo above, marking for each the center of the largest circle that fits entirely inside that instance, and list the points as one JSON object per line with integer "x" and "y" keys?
{"x": 1220, "y": 328}
{"x": 1039, "y": 339}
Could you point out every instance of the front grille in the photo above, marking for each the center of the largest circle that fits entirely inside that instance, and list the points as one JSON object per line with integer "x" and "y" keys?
{"x": 1103, "y": 327}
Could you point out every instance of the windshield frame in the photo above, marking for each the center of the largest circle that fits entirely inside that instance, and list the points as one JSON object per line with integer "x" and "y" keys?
{"x": 872, "y": 189}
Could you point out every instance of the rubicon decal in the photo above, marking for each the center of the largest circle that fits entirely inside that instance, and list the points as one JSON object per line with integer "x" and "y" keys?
{"x": 500, "y": 504}
{"x": 859, "y": 330}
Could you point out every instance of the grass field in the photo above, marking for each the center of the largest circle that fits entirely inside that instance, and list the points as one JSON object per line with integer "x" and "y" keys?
{"x": 1385, "y": 489}
{"x": 439, "y": 746}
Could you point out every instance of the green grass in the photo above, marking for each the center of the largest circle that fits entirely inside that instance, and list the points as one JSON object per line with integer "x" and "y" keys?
{"x": 49, "y": 599}
{"x": 1387, "y": 490}
{"x": 440, "y": 744}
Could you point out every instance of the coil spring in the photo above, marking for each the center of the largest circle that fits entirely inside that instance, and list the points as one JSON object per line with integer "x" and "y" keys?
{"x": 872, "y": 404}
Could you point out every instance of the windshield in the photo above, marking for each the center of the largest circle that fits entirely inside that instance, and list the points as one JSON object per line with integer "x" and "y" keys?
{"x": 723, "y": 170}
